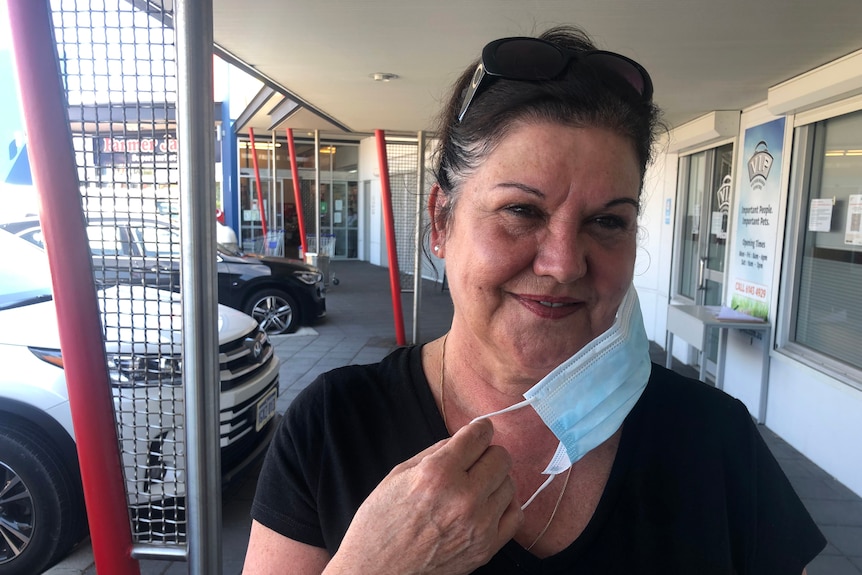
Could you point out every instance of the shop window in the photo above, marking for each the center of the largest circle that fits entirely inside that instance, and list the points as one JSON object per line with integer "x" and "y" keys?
{"x": 823, "y": 307}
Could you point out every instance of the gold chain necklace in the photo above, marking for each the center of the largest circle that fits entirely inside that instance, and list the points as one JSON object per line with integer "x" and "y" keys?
{"x": 445, "y": 423}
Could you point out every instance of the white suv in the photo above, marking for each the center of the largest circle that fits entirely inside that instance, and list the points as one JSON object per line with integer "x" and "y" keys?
{"x": 41, "y": 505}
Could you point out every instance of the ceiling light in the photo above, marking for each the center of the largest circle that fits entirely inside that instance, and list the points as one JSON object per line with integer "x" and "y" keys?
{"x": 383, "y": 76}
{"x": 246, "y": 145}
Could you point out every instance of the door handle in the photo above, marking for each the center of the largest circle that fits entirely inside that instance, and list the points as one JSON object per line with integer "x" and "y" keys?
{"x": 701, "y": 274}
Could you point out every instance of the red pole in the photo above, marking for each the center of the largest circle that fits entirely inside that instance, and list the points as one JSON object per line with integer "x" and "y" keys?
{"x": 297, "y": 192}
{"x": 260, "y": 206}
{"x": 56, "y": 179}
{"x": 389, "y": 222}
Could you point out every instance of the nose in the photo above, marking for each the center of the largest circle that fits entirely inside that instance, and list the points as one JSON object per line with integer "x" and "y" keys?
{"x": 562, "y": 254}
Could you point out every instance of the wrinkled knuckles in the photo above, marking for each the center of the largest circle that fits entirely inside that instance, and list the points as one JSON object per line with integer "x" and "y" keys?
{"x": 431, "y": 478}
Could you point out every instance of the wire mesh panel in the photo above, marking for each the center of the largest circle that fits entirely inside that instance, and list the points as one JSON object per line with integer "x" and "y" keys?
{"x": 118, "y": 64}
{"x": 403, "y": 161}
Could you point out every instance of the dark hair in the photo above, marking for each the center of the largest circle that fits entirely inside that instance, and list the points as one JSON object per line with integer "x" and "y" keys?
{"x": 583, "y": 97}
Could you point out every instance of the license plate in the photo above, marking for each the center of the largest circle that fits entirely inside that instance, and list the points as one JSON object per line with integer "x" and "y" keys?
{"x": 266, "y": 408}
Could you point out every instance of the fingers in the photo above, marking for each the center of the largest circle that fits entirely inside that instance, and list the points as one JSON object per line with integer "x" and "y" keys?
{"x": 461, "y": 451}
{"x": 468, "y": 444}
{"x": 501, "y": 502}
{"x": 452, "y": 505}
{"x": 510, "y": 520}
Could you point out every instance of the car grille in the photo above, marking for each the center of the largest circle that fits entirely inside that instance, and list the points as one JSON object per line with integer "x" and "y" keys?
{"x": 240, "y": 360}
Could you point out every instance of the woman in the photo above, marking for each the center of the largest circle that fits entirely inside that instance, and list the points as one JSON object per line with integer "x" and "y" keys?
{"x": 544, "y": 146}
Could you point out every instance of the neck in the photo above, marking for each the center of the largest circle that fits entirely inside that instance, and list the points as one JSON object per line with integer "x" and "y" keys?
{"x": 463, "y": 395}
{"x": 485, "y": 373}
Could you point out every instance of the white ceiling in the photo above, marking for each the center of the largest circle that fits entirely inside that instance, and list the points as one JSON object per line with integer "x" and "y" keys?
{"x": 703, "y": 55}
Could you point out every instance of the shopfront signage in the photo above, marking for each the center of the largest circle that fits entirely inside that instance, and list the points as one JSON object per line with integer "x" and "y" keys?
{"x": 752, "y": 261}
{"x": 111, "y": 150}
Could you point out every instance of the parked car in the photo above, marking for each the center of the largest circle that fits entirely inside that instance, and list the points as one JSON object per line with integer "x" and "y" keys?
{"x": 41, "y": 504}
{"x": 280, "y": 293}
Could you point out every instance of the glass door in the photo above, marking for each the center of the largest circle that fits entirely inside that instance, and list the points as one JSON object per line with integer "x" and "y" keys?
{"x": 706, "y": 186}
{"x": 339, "y": 216}
{"x": 251, "y": 212}
{"x": 705, "y": 193}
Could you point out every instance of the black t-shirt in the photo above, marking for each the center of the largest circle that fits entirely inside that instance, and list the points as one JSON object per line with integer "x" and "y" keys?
{"x": 693, "y": 488}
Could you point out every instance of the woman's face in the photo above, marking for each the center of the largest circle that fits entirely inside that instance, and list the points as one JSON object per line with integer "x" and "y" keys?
{"x": 541, "y": 244}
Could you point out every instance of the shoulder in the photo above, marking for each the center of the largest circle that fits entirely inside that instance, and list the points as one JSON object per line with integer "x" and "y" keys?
{"x": 365, "y": 403}
{"x": 692, "y": 463}
{"x": 681, "y": 417}
{"x": 669, "y": 394}
{"x": 350, "y": 384}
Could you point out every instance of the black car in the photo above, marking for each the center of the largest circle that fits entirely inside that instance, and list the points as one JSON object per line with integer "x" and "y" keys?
{"x": 280, "y": 293}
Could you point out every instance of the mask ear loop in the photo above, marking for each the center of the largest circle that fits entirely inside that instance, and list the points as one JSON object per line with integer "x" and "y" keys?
{"x": 519, "y": 405}
{"x": 539, "y": 490}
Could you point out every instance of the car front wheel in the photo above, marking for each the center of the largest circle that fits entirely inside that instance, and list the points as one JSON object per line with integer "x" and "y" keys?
{"x": 275, "y": 311}
{"x": 41, "y": 509}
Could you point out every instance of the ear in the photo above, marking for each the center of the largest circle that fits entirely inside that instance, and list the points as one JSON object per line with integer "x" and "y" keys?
{"x": 436, "y": 203}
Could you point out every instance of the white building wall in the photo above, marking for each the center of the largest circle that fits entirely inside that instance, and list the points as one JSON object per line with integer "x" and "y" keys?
{"x": 369, "y": 170}
{"x": 818, "y": 415}
{"x": 655, "y": 243}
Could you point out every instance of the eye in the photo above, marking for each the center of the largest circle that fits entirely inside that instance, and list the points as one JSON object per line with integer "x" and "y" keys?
{"x": 522, "y": 210}
{"x": 612, "y": 222}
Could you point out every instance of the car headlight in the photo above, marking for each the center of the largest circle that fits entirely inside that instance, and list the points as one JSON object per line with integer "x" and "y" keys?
{"x": 52, "y": 356}
{"x": 127, "y": 370}
{"x": 308, "y": 277}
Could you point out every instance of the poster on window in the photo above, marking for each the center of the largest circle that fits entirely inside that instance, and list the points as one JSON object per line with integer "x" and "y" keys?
{"x": 853, "y": 229}
{"x": 756, "y": 233}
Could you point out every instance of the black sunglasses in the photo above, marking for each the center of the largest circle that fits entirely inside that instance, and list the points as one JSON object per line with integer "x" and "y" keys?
{"x": 535, "y": 60}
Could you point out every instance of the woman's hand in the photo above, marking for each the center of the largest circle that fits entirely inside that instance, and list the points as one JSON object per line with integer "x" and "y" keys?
{"x": 447, "y": 510}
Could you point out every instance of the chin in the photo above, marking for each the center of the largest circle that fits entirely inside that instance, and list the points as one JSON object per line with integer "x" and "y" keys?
{"x": 545, "y": 355}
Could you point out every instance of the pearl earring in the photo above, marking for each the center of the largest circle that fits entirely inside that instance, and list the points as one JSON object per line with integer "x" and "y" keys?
{"x": 436, "y": 248}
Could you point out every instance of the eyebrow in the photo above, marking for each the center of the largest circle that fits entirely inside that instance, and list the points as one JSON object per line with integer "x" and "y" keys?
{"x": 536, "y": 192}
{"x": 631, "y": 201}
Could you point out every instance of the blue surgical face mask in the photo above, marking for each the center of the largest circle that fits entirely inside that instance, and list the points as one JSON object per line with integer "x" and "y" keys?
{"x": 585, "y": 399}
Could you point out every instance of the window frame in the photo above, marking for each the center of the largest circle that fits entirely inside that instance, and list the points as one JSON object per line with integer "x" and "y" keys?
{"x": 802, "y": 173}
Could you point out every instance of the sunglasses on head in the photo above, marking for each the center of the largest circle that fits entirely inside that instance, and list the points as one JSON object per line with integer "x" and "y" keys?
{"x": 536, "y": 60}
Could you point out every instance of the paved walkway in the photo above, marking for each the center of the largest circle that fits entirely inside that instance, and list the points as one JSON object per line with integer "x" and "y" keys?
{"x": 360, "y": 329}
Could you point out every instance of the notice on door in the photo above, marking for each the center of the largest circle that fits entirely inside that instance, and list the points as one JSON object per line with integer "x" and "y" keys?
{"x": 820, "y": 215}
{"x": 853, "y": 229}
{"x": 752, "y": 260}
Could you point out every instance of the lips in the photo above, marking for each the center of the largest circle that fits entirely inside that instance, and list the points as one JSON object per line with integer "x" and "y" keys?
{"x": 549, "y": 307}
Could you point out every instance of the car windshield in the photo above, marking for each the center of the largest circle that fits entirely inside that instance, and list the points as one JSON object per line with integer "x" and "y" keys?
{"x": 25, "y": 276}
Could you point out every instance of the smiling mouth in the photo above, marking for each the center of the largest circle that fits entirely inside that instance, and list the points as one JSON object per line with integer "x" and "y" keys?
{"x": 550, "y": 307}
{"x": 552, "y": 304}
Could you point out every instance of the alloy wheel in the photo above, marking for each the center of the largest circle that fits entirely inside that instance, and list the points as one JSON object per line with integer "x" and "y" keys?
{"x": 16, "y": 515}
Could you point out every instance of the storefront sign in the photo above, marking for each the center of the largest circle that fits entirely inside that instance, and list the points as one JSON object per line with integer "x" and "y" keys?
{"x": 752, "y": 261}
{"x": 112, "y": 151}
